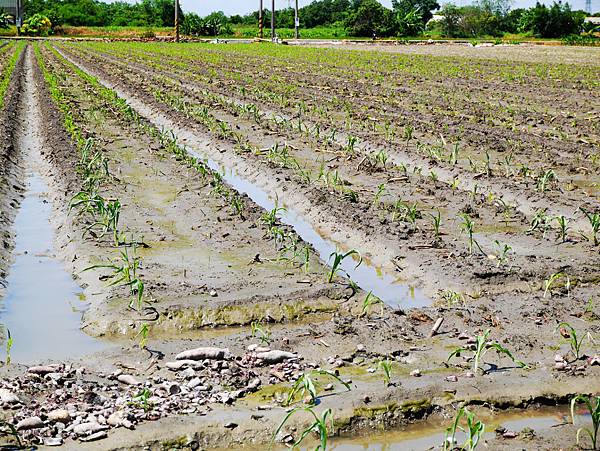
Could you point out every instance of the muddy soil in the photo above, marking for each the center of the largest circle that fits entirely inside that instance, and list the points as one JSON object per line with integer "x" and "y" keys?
{"x": 11, "y": 186}
{"x": 206, "y": 267}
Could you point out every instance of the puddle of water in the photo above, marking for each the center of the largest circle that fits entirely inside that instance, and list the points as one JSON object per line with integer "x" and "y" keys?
{"x": 385, "y": 286}
{"x": 43, "y": 306}
{"x": 370, "y": 278}
{"x": 431, "y": 434}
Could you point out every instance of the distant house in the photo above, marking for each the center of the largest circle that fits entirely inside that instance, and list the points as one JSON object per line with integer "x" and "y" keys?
{"x": 10, "y": 7}
{"x": 594, "y": 20}
{"x": 435, "y": 18}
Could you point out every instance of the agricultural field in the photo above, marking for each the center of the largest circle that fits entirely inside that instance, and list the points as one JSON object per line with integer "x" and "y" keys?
{"x": 249, "y": 241}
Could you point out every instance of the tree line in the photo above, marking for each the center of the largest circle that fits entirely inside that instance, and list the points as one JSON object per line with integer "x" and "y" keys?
{"x": 364, "y": 18}
{"x": 146, "y": 13}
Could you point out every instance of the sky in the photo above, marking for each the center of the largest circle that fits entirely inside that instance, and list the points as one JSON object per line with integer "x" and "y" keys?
{"x": 229, "y": 7}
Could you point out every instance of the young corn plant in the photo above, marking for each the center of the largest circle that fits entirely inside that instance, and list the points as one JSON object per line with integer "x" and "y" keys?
{"x": 9, "y": 430}
{"x": 540, "y": 221}
{"x": 503, "y": 251}
{"x": 9, "y": 345}
{"x": 269, "y": 219}
{"x": 468, "y": 226}
{"x": 482, "y": 346}
{"x": 594, "y": 219}
{"x": 263, "y": 334}
{"x": 550, "y": 282}
{"x": 545, "y": 179}
{"x": 453, "y": 160}
{"x": 452, "y": 298}
{"x": 436, "y": 221}
{"x": 387, "y": 367}
{"x": 142, "y": 400}
{"x": 125, "y": 273}
{"x": 593, "y": 407}
{"x": 320, "y": 426}
{"x": 88, "y": 201}
{"x": 563, "y": 227}
{"x": 108, "y": 221}
{"x": 378, "y": 194}
{"x": 474, "y": 431}
{"x": 570, "y": 334}
{"x": 488, "y": 164}
{"x": 370, "y": 301}
{"x": 143, "y": 334}
{"x": 338, "y": 258}
{"x": 307, "y": 386}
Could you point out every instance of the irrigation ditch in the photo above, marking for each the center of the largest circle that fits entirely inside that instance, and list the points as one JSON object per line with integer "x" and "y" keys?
{"x": 200, "y": 346}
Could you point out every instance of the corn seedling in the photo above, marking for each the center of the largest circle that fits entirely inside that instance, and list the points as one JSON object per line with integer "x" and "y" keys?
{"x": 524, "y": 171}
{"x": 263, "y": 334}
{"x": 551, "y": 281}
{"x": 307, "y": 386}
{"x": 269, "y": 218}
{"x": 503, "y": 251}
{"x": 124, "y": 273}
{"x": 540, "y": 220}
{"x": 87, "y": 201}
{"x": 320, "y": 426}
{"x": 594, "y": 219}
{"x": 370, "y": 301}
{"x": 508, "y": 165}
{"x": 9, "y": 345}
{"x": 453, "y": 160}
{"x": 108, "y": 221}
{"x": 452, "y": 298}
{"x": 338, "y": 258}
{"x": 468, "y": 226}
{"x": 545, "y": 179}
{"x": 563, "y": 227}
{"x": 386, "y": 367}
{"x": 9, "y": 430}
{"x": 570, "y": 334}
{"x": 143, "y": 334}
{"x": 378, "y": 194}
{"x": 488, "y": 164}
{"x": 474, "y": 431}
{"x": 408, "y": 133}
{"x": 350, "y": 145}
{"x": 482, "y": 346}
{"x": 436, "y": 221}
{"x": 142, "y": 400}
{"x": 381, "y": 157}
{"x": 593, "y": 407}
{"x": 237, "y": 205}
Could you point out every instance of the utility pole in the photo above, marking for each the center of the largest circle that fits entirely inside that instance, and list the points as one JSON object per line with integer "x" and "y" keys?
{"x": 176, "y": 20}
{"x": 19, "y": 17}
{"x": 272, "y": 20}
{"x": 260, "y": 19}
{"x": 297, "y": 22}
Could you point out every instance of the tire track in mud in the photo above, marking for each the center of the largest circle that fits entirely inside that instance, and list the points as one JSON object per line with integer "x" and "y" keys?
{"x": 311, "y": 222}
